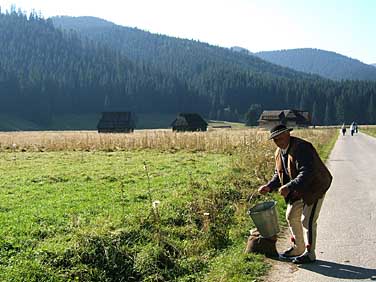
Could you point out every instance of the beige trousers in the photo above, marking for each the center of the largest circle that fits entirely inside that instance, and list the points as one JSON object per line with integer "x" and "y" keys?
{"x": 302, "y": 220}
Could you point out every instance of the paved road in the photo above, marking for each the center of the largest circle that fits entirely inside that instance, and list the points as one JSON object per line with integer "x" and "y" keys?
{"x": 346, "y": 244}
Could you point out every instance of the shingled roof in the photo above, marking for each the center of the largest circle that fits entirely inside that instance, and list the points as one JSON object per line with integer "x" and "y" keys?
{"x": 116, "y": 122}
{"x": 288, "y": 117}
{"x": 189, "y": 122}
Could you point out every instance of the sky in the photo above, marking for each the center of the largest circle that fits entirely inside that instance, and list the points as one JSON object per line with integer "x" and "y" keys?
{"x": 347, "y": 27}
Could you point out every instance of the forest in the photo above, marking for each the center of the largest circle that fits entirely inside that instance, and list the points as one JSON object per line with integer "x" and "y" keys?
{"x": 51, "y": 67}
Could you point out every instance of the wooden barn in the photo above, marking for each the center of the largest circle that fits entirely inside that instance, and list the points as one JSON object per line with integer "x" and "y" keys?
{"x": 116, "y": 122}
{"x": 290, "y": 118}
{"x": 189, "y": 122}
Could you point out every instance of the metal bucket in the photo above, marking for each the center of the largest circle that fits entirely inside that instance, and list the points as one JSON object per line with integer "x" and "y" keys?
{"x": 265, "y": 217}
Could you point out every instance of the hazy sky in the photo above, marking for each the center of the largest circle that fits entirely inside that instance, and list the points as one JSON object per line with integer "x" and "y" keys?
{"x": 347, "y": 27}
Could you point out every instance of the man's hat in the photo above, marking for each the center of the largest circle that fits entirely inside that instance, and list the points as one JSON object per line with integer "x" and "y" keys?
{"x": 277, "y": 130}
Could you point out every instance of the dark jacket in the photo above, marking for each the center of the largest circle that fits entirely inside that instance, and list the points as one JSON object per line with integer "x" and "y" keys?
{"x": 307, "y": 176}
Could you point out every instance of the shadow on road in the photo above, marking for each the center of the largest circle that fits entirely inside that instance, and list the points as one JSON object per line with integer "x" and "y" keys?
{"x": 344, "y": 271}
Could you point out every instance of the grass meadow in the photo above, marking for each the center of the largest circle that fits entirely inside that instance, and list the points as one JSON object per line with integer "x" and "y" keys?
{"x": 368, "y": 129}
{"x": 153, "y": 205}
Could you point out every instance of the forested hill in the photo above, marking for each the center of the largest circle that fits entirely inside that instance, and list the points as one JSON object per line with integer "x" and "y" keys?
{"x": 183, "y": 58}
{"x": 324, "y": 63}
{"x": 234, "y": 81}
{"x": 46, "y": 72}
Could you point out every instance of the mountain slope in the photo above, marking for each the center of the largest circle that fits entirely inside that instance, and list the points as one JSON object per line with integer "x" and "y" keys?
{"x": 47, "y": 75}
{"x": 231, "y": 81}
{"x": 180, "y": 57}
{"x": 324, "y": 63}
{"x": 45, "y": 72}
{"x": 241, "y": 50}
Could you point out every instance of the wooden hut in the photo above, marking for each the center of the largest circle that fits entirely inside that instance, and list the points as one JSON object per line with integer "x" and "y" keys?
{"x": 116, "y": 122}
{"x": 189, "y": 122}
{"x": 290, "y": 118}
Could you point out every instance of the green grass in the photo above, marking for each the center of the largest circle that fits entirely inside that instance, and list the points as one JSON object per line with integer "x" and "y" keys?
{"x": 82, "y": 122}
{"x": 236, "y": 267}
{"x": 236, "y": 125}
{"x": 154, "y": 121}
{"x": 88, "y": 215}
{"x": 74, "y": 122}
{"x": 90, "y": 121}
{"x": 324, "y": 149}
{"x": 61, "y": 122}
{"x": 370, "y": 130}
{"x": 13, "y": 123}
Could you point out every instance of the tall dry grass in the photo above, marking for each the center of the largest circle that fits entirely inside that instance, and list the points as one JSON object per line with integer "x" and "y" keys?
{"x": 257, "y": 156}
{"x": 224, "y": 140}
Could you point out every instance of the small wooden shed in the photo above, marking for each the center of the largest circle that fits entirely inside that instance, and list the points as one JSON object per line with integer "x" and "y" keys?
{"x": 189, "y": 122}
{"x": 116, "y": 122}
{"x": 290, "y": 118}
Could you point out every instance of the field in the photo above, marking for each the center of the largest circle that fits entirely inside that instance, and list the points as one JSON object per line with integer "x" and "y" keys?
{"x": 148, "y": 206}
{"x": 368, "y": 129}
{"x": 90, "y": 121}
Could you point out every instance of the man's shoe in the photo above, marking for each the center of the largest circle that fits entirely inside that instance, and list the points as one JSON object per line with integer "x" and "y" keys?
{"x": 292, "y": 252}
{"x": 304, "y": 258}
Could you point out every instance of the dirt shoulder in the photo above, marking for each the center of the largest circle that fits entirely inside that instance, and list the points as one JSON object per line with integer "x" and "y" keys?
{"x": 281, "y": 270}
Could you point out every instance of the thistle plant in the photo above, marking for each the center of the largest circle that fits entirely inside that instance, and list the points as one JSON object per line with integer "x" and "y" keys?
{"x": 149, "y": 186}
{"x": 122, "y": 199}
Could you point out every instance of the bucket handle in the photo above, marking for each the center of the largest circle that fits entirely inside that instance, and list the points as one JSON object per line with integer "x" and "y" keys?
{"x": 251, "y": 198}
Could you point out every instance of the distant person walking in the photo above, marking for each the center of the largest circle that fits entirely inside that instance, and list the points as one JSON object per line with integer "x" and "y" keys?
{"x": 343, "y": 129}
{"x": 352, "y": 129}
{"x": 302, "y": 179}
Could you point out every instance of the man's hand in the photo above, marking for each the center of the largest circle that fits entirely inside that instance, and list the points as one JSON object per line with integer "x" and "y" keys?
{"x": 264, "y": 189}
{"x": 284, "y": 191}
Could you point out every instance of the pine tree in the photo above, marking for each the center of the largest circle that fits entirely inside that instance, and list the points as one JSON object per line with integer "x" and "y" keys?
{"x": 253, "y": 114}
{"x": 328, "y": 114}
{"x": 339, "y": 105}
{"x": 315, "y": 114}
{"x": 371, "y": 111}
